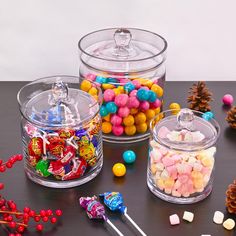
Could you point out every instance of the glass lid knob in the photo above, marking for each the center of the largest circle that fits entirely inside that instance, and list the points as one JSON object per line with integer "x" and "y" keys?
{"x": 59, "y": 92}
{"x": 122, "y": 39}
{"x": 185, "y": 119}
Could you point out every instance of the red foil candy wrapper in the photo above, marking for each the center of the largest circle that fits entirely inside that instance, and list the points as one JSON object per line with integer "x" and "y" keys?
{"x": 35, "y": 147}
{"x": 68, "y": 155}
{"x": 56, "y": 146}
{"x": 66, "y": 133}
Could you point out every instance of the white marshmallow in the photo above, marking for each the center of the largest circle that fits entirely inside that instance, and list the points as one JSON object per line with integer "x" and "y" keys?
{"x": 188, "y": 216}
{"x": 218, "y": 217}
{"x": 229, "y": 224}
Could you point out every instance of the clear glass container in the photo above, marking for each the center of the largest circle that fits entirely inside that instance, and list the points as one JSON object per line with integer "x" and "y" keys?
{"x": 128, "y": 65}
{"x": 182, "y": 156}
{"x": 61, "y": 131}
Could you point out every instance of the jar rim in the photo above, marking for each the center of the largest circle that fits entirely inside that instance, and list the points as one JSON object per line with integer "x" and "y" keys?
{"x": 125, "y": 60}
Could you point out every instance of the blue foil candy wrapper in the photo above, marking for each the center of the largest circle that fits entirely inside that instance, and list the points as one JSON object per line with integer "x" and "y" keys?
{"x": 114, "y": 201}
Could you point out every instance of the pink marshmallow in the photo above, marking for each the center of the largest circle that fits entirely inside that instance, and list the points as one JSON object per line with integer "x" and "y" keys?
{"x": 90, "y": 77}
{"x": 174, "y": 219}
{"x": 176, "y": 158}
{"x": 156, "y": 155}
{"x": 163, "y": 131}
{"x": 183, "y": 178}
{"x": 167, "y": 161}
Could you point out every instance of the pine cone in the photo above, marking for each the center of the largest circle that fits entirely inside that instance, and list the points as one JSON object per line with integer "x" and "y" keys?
{"x": 231, "y": 198}
{"x": 231, "y": 117}
{"x": 200, "y": 97}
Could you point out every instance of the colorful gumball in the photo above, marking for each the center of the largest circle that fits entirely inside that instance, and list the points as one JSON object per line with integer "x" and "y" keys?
{"x": 101, "y": 80}
{"x": 152, "y": 96}
{"x": 133, "y": 93}
{"x": 175, "y": 107}
{"x": 142, "y": 94}
{"x": 106, "y": 127}
{"x": 90, "y": 77}
{"x": 116, "y": 120}
{"x": 140, "y": 118}
{"x": 123, "y": 111}
{"x": 133, "y": 102}
{"x": 150, "y": 113}
{"x": 129, "y": 156}
{"x": 103, "y": 111}
{"x": 85, "y": 85}
{"x": 129, "y": 120}
{"x": 119, "y": 170}
{"x": 144, "y": 106}
{"x": 157, "y": 89}
{"x": 136, "y": 84}
{"x": 111, "y": 107}
{"x": 129, "y": 87}
{"x": 130, "y": 130}
{"x": 156, "y": 104}
{"x": 141, "y": 128}
{"x": 121, "y": 100}
{"x": 109, "y": 95}
{"x": 118, "y": 130}
{"x": 228, "y": 99}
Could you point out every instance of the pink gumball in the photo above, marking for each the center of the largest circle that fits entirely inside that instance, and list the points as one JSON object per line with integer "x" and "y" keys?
{"x": 136, "y": 83}
{"x": 133, "y": 93}
{"x": 108, "y": 95}
{"x": 90, "y": 77}
{"x": 144, "y": 105}
{"x": 117, "y": 130}
{"x": 155, "y": 104}
{"x": 121, "y": 100}
{"x": 116, "y": 120}
{"x": 145, "y": 87}
{"x": 228, "y": 99}
{"x": 133, "y": 102}
{"x": 123, "y": 111}
{"x": 124, "y": 81}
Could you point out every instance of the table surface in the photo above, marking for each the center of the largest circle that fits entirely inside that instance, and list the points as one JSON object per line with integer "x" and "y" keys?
{"x": 148, "y": 211}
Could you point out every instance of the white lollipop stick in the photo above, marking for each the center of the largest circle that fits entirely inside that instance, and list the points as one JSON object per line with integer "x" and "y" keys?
{"x": 72, "y": 143}
{"x": 133, "y": 223}
{"x": 114, "y": 227}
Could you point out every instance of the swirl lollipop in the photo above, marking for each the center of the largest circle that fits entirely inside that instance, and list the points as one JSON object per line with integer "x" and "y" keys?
{"x": 95, "y": 210}
{"x": 114, "y": 201}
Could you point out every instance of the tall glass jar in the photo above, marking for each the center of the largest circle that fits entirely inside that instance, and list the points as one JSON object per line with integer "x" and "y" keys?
{"x": 182, "y": 156}
{"x": 61, "y": 131}
{"x": 128, "y": 65}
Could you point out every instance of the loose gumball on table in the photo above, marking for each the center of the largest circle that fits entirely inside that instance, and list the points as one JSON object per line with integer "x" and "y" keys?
{"x": 129, "y": 156}
{"x": 119, "y": 169}
{"x": 228, "y": 100}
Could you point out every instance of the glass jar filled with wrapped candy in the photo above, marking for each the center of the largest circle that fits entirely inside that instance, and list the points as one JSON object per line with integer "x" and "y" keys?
{"x": 128, "y": 65}
{"x": 61, "y": 131}
{"x": 182, "y": 156}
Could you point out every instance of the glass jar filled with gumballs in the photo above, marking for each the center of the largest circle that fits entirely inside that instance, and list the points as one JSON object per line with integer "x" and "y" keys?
{"x": 128, "y": 65}
{"x": 181, "y": 158}
{"x": 61, "y": 131}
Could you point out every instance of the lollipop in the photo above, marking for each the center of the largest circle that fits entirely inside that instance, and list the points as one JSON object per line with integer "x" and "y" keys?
{"x": 95, "y": 210}
{"x": 114, "y": 201}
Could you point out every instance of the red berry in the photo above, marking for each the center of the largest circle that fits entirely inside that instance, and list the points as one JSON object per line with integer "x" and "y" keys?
{"x": 2, "y": 168}
{"x": 32, "y": 213}
{"x": 1, "y": 186}
{"x": 3, "y": 208}
{"x": 43, "y": 213}
{"x": 26, "y": 217}
{"x": 12, "y": 224}
{"x": 58, "y": 212}
{"x": 49, "y": 212}
{"x": 21, "y": 229}
{"x": 0, "y": 161}
{"x": 12, "y": 160}
{"x": 9, "y": 218}
{"x": 11, "y": 234}
{"x": 37, "y": 218}
{"x": 45, "y": 219}
{"x": 53, "y": 220}
{"x": 26, "y": 209}
{"x": 17, "y": 234}
{"x": 2, "y": 202}
{"x": 39, "y": 227}
{"x": 19, "y": 157}
{"x": 12, "y": 206}
{"x": 8, "y": 165}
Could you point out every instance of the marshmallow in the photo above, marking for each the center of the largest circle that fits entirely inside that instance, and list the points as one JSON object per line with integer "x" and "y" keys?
{"x": 174, "y": 219}
{"x": 188, "y": 216}
{"x": 218, "y": 217}
{"x": 229, "y": 224}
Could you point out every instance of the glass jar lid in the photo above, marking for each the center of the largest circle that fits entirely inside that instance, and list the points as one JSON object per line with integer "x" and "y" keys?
{"x": 57, "y": 101}
{"x": 186, "y": 131}
{"x": 123, "y": 50}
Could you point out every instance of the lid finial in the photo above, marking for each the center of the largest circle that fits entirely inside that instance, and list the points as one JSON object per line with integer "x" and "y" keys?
{"x": 185, "y": 119}
{"x": 59, "y": 92}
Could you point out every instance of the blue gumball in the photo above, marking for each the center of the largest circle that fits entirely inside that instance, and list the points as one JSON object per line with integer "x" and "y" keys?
{"x": 101, "y": 80}
{"x": 129, "y": 157}
{"x": 143, "y": 94}
{"x": 208, "y": 115}
{"x": 129, "y": 87}
{"x": 111, "y": 107}
{"x": 111, "y": 80}
{"x": 103, "y": 111}
{"x": 152, "y": 96}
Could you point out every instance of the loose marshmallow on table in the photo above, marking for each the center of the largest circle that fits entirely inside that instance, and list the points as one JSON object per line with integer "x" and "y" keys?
{"x": 188, "y": 216}
{"x": 174, "y": 219}
{"x": 218, "y": 217}
{"x": 229, "y": 224}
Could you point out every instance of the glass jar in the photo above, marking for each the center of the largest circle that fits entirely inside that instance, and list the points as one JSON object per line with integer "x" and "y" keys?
{"x": 182, "y": 156}
{"x": 128, "y": 65}
{"x": 61, "y": 131}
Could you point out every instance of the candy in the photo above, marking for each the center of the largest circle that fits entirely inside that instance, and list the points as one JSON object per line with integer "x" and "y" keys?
{"x": 174, "y": 219}
{"x": 228, "y": 99}
{"x": 157, "y": 89}
{"x": 35, "y": 147}
{"x": 149, "y": 114}
{"x": 129, "y": 156}
{"x": 109, "y": 95}
{"x": 123, "y": 111}
{"x": 118, "y": 130}
{"x": 208, "y": 115}
{"x": 66, "y": 133}
{"x": 188, "y": 216}
{"x": 133, "y": 102}
{"x": 140, "y": 118}
{"x": 152, "y": 96}
{"x": 141, "y": 128}
{"x": 119, "y": 169}
{"x": 144, "y": 106}
{"x": 129, "y": 120}
{"x": 143, "y": 94}
{"x": 121, "y": 100}
{"x": 85, "y": 85}
{"x": 42, "y": 168}
{"x": 156, "y": 104}
{"x": 93, "y": 91}
{"x": 175, "y": 108}
{"x": 130, "y": 130}
{"x": 116, "y": 120}
{"x": 106, "y": 127}
{"x": 229, "y": 224}
{"x": 129, "y": 87}
{"x": 101, "y": 80}
{"x": 111, "y": 107}
{"x": 218, "y": 217}
{"x": 103, "y": 111}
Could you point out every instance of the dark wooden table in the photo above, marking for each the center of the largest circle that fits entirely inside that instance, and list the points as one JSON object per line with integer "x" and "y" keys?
{"x": 147, "y": 210}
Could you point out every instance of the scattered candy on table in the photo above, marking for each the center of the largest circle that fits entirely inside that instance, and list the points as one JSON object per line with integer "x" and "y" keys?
{"x": 114, "y": 201}
{"x": 188, "y": 216}
{"x": 175, "y": 108}
{"x": 95, "y": 210}
{"x": 208, "y": 115}
{"x": 129, "y": 156}
{"x": 218, "y": 217}
{"x": 229, "y": 224}
{"x": 119, "y": 169}
{"x": 228, "y": 99}
{"x": 174, "y": 219}
{"x": 130, "y": 103}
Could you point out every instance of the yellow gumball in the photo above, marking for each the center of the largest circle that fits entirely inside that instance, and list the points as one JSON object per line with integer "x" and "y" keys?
{"x": 140, "y": 118}
{"x": 108, "y": 86}
{"x": 116, "y": 91}
{"x": 130, "y": 130}
{"x": 119, "y": 169}
{"x": 157, "y": 110}
{"x": 133, "y": 111}
{"x": 86, "y": 85}
{"x": 141, "y": 128}
{"x": 106, "y": 127}
{"x": 93, "y": 91}
{"x": 107, "y": 118}
{"x": 175, "y": 107}
{"x": 121, "y": 89}
{"x": 148, "y": 83}
{"x": 157, "y": 89}
{"x": 128, "y": 120}
{"x": 150, "y": 113}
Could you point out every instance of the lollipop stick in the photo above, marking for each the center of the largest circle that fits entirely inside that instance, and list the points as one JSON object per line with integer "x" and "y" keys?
{"x": 114, "y": 227}
{"x": 134, "y": 224}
